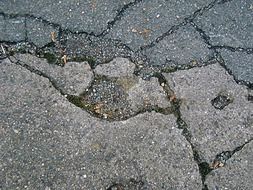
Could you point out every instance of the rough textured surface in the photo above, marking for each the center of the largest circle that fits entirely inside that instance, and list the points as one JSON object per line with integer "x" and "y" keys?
{"x": 183, "y": 47}
{"x": 48, "y": 143}
{"x": 240, "y": 64}
{"x": 213, "y": 130}
{"x": 225, "y": 24}
{"x": 98, "y": 50}
{"x": 99, "y": 124}
{"x": 118, "y": 67}
{"x": 149, "y": 19}
{"x": 237, "y": 174}
{"x": 147, "y": 93}
{"x": 117, "y": 93}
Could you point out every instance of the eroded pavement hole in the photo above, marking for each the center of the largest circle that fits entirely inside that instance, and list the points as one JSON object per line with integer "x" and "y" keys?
{"x": 221, "y": 101}
{"x": 119, "y": 98}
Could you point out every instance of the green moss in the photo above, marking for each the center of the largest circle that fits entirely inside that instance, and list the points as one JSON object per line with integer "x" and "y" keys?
{"x": 79, "y": 102}
{"x": 169, "y": 69}
{"x": 89, "y": 59}
{"x": 51, "y": 58}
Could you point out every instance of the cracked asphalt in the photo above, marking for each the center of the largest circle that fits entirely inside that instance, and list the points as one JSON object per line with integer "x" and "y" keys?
{"x": 126, "y": 95}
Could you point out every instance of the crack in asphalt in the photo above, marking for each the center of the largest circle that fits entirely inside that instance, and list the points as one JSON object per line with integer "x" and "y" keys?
{"x": 109, "y": 26}
{"x": 118, "y": 17}
{"x": 206, "y": 39}
{"x": 186, "y": 20}
{"x": 218, "y": 56}
{"x": 44, "y": 21}
{"x": 38, "y": 72}
{"x": 233, "y": 49}
{"x": 221, "y": 158}
{"x": 76, "y": 99}
{"x": 240, "y": 82}
{"x": 203, "y": 167}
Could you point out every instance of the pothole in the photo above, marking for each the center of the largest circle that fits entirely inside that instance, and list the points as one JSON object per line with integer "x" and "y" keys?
{"x": 107, "y": 99}
{"x": 221, "y": 101}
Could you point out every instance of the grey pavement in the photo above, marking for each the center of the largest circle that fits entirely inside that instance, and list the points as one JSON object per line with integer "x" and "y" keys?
{"x": 126, "y": 95}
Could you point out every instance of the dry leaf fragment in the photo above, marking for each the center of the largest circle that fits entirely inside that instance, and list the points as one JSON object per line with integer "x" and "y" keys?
{"x": 98, "y": 107}
{"x": 3, "y": 49}
{"x": 64, "y": 58}
{"x": 216, "y": 164}
{"x": 145, "y": 33}
{"x": 173, "y": 98}
{"x": 53, "y": 36}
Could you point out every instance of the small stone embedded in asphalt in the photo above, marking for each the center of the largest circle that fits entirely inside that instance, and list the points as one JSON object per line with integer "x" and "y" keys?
{"x": 237, "y": 174}
{"x": 118, "y": 67}
{"x": 184, "y": 47}
{"x": 220, "y": 159}
{"x": 221, "y": 101}
{"x": 60, "y": 146}
{"x": 213, "y": 130}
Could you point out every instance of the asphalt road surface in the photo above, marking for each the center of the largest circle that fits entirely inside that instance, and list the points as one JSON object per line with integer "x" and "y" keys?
{"x": 126, "y": 95}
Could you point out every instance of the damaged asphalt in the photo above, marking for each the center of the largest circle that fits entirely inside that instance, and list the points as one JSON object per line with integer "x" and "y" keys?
{"x": 131, "y": 94}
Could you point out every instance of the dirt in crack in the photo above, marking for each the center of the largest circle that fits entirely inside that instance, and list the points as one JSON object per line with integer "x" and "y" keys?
{"x": 131, "y": 184}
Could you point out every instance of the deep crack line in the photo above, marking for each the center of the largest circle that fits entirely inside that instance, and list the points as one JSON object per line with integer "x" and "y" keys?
{"x": 218, "y": 56}
{"x": 203, "y": 167}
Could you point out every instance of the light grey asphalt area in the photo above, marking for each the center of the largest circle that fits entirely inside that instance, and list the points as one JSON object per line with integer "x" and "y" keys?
{"x": 48, "y": 143}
